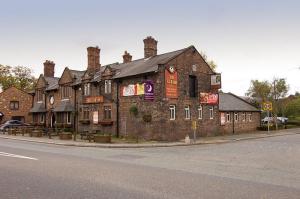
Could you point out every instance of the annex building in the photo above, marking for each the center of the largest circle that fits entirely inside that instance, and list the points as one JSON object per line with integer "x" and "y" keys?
{"x": 157, "y": 97}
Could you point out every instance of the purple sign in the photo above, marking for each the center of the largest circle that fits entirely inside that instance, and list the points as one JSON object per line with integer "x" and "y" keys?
{"x": 149, "y": 90}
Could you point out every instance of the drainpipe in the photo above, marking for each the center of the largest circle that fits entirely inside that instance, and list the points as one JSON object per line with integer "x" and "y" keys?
{"x": 117, "y": 103}
{"x": 75, "y": 115}
{"x": 45, "y": 116}
{"x": 233, "y": 122}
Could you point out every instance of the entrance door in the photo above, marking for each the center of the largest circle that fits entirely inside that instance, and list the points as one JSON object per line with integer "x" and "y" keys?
{"x": 52, "y": 120}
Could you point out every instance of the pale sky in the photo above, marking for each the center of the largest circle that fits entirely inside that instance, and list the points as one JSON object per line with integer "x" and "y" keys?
{"x": 258, "y": 39}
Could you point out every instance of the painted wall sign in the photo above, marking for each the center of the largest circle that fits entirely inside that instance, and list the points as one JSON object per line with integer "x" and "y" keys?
{"x": 223, "y": 119}
{"x": 93, "y": 100}
{"x": 171, "y": 82}
{"x": 215, "y": 81}
{"x": 149, "y": 90}
{"x": 209, "y": 98}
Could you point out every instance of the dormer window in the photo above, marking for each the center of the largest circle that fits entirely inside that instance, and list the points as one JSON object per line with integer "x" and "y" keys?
{"x": 40, "y": 95}
{"x": 107, "y": 88}
{"x": 86, "y": 89}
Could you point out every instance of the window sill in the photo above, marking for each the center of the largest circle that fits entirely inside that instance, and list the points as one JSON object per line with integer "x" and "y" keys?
{"x": 106, "y": 122}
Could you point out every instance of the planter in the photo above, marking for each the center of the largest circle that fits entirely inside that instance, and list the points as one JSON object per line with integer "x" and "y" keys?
{"x": 84, "y": 121}
{"x": 36, "y": 133}
{"x": 65, "y": 136}
{"x": 102, "y": 138}
{"x": 106, "y": 123}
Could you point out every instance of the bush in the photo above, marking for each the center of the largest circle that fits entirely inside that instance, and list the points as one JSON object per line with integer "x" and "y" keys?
{"x": 134, "y": 110}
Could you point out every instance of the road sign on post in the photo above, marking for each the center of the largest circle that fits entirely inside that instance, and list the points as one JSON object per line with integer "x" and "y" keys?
{"x": 267, "y": 106}
{"x": 194, "y": 127}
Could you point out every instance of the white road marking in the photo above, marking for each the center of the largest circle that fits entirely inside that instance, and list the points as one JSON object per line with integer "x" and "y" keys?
{"x": 16, "y": 156}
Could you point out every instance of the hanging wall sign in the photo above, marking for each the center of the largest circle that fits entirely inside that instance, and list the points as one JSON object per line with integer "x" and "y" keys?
{"x": 209, "y": 98}
{"x": 149, "y": 90}
{"x": 171, "y": 82}
{"x": 215, "y": 81}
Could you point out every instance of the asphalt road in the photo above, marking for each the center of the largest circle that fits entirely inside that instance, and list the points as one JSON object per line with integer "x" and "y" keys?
{"x": 261, "y": 169}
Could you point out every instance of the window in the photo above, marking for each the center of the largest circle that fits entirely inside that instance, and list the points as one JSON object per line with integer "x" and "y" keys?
{"x": 172, "y": 112}
{"x": 193, "y": 86}
{"x": 211, "y": 113}
{"x": 42, "y": 118}
{"x": 107, "y": 88}
{"x": 107, "y": 112}
{"x": 40, "y": 95}
{"x": 86, "y": 89}
{"x": 200, "y": 112}
{"x": 250, "y": 117}
{"x": 228, "y": 117}
{"x": 244, "y": 117}
{"x": 68, "y": 118}
{"x": 187, "y": 112}
{"x": 86, "y": 113}
{"x": 65, "y": 92}
{"x": 14, "y": 105}
{"x": 236, "y": 117}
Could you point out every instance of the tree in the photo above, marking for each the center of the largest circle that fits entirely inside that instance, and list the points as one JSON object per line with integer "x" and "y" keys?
{"x": 260, "y": 90}
{"x": 211, "y": 63}
{"x": 293, "y": 108}
{"x": 19, "y": 76}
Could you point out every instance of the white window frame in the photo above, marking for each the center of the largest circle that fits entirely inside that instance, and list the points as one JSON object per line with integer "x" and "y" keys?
{"x": 236, "y": 117}
{"x": 172, "y": 109}
{"x": 228, "y": 117}
{"x": 244, "y": 117}
{"x": 107, "y": 86}
{"x": 200, "y": 112}
{"x": 86, "y": 90}
{"x": 187, "y": 112}
{"x": 250, "y": 117}
{"x": 69, "y": 120}
{"x": 211, "y": 113}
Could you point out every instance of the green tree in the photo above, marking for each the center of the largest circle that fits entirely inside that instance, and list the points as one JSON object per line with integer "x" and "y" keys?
{"x": 259, "y": 90}
{"x": 293, "y": 109}
{"x": 211, "y": 63}
{"x": 19, "y": 76}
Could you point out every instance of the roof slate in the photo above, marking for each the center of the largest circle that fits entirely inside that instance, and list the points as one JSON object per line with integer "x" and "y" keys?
{"x": 231, "y": 102}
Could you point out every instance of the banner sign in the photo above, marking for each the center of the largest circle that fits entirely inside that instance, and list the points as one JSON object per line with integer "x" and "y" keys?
{"x": 149, "y": 90}
{"x": 95, "y": 117}
{"x": 215, "y": 81}
{"x": 223, "y": 119}
{"x": 133, "y": 89}
{"x": 93, "y": 100}
{"x": 209, "y": 98}
{"x": 171, "y": 82}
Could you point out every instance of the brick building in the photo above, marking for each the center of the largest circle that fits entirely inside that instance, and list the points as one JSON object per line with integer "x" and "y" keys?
{"x": 15, "y": 105}
{"x": 155, "y": 97}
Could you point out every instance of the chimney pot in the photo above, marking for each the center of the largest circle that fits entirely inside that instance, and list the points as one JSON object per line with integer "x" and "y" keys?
{"x": 127, "y": 57}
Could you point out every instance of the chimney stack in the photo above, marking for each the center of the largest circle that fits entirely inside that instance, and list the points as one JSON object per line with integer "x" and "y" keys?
{"x": 150, "y": 47}
{"x": 127, "y": 57}
{"x": 93, "y": 54}
{"x": 49, "y": 68}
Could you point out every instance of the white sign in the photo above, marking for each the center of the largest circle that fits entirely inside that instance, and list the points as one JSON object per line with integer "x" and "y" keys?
{"x": 216, "y": 81}
{"x": 129, "y": 90}
{"x": 95, "y": 117}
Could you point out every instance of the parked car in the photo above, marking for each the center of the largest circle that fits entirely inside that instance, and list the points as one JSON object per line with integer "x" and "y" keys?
{"x": 280, "y": 120}
{"x": 10, "y": 124}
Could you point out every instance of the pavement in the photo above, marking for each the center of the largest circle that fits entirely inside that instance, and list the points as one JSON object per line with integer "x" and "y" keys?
{"x": 255, "y": 168}
{"x": 199, "y": 141}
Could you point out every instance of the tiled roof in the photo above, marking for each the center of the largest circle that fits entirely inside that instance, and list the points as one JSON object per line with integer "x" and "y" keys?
{"x": 142, "y": 66}
{"x": 231, "y": 102}
{"x": 52, "y": 83}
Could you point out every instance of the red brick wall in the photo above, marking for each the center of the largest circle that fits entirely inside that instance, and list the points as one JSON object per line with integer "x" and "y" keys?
{"x": 25, "y": 104}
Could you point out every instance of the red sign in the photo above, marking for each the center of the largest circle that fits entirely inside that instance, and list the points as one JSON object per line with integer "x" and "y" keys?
{"x": 209, "y": 98}
{"x": 171, "y": 82}
{"x": 93, "y": 100}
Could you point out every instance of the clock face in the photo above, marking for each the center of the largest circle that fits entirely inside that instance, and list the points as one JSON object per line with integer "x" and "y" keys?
{"x": 51, "y": 100}
{"x": 171, "y": 69}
